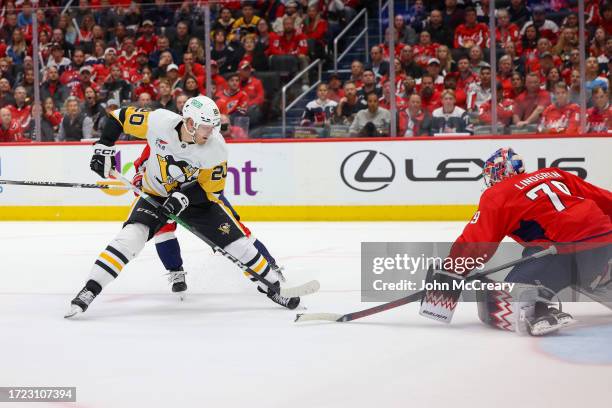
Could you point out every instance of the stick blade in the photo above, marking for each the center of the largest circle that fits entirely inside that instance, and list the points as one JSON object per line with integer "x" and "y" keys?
{"x": 329, "y": 317}
{"x": 305, "y": 289}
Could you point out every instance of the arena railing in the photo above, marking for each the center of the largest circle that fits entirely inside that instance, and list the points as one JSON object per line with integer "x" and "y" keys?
{"x": 362, "y": 14}
{"x": 381, "y": 9}
{"x": 306, "y": 71}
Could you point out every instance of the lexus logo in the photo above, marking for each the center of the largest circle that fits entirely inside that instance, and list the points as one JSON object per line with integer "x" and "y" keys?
{"x": 378, "y": 166}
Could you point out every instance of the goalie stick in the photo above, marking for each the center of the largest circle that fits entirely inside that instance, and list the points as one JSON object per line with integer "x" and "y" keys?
{"x": 60, "y": 184}
{"x": 334, "y": 317}
{"x": 297, "y": 291}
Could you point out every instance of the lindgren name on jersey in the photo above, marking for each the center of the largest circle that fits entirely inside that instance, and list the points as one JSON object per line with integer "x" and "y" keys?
{"x": 534, "y": 179}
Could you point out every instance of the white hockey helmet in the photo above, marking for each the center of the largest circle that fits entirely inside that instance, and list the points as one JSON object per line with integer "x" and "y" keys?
{"x": 202, "y": 110}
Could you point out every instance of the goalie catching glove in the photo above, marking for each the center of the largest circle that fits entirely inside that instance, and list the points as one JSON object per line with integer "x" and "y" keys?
{"x": 174, "y": 205}
{"x": 103, "y": 160}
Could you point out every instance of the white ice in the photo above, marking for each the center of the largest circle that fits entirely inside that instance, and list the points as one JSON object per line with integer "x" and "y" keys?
{"x": 229, "y": 346}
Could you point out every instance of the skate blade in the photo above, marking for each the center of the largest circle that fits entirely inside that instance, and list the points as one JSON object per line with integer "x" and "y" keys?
{"x": 74, "y": 311}
{"x": 181, "y": 296}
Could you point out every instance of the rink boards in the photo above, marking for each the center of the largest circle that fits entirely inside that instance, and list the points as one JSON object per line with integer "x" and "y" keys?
{"x": 328, "y": 180}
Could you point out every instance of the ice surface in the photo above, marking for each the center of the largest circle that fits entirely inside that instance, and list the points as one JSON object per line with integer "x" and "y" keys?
{"x": 228, "y": 346}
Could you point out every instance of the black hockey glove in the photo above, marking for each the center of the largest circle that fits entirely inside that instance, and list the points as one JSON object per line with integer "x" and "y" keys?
{"x": 174, "y": 204}
{"x": 103, "y": 160}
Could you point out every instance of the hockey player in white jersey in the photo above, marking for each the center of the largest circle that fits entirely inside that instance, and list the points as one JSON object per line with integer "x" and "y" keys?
{"x": 185, "y": 172}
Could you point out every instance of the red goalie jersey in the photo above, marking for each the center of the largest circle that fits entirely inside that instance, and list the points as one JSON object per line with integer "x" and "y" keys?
{"x": 546, "y": 206}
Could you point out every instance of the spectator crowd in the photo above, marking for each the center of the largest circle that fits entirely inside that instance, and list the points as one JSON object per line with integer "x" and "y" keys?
{"x": 98, "y": 55}
{"x": 443, "y": 78}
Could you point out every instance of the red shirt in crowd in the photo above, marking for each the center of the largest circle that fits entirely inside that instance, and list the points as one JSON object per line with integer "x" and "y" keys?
{"x": 463, "y": 83}
{"x": 423, "y": 53}
{"x": 148, "y": 45}
{"x": 70, "y": 77}
{"x": 533, "y": 65}
{"x": 548, "y": 30}
{"x": 197, "y": 70}
{"x": 400, "y": 103}
{"x": 54, "y": 118}
{"x": 460, "y": 98}
{"x": 146, "y": 88}
{"x": 79, "y": 89}
{"x": 27, "y": 31}
{"x": 467, "y": 37}
{"x": 564, "y": 119}
{"x": 220, "y": 83}
{"x": 434, "y": 102}
{"x": 231, "y": 103}
{"x": 288, "y": 45}
{"x": 316, "y": 31}
{"x": 13, "y": 133}
{"x": 599, "y": 120}
{"x": 511, "y": 34}
{"x": 386, "y": 51}
{"x": 101, "y": 73}
{"x": 128, "y": 61}
{"x": 21, "y": 115}
{"x": 254, "y": 90}
{"x": 526, "y": 103}
{"x": 406, "y": 122}
{"x": 504, "y": 112}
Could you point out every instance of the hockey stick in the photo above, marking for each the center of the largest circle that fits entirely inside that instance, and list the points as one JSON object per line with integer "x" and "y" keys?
{"x": 302, "y": 290}
{"x": 58, "y": 184}
{"x": 333, "y": 317}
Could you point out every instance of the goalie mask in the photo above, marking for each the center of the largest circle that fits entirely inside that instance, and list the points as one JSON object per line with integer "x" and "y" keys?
{"x": 503, "y": 164}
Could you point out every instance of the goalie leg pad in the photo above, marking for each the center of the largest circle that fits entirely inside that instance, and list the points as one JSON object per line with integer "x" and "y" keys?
{"x": 513, "y": 311}
{"x": 495, "y": 308}
{"x": 121, "y": 250}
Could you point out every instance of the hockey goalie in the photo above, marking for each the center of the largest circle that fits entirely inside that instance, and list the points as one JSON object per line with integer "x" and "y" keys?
{"x": 548, "y": 207}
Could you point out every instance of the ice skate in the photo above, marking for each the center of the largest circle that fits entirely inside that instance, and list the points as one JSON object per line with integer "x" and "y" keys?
{"x": 548, "y": 320}
{"x": 289, "y": 303}
{"x": 80, "y": 303}
{"x": 177, "y": 280}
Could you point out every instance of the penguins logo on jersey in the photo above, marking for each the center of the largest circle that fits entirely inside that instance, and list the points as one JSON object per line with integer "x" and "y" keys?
{"x": 174, "y": 172}
{"x": 224, "y": 228}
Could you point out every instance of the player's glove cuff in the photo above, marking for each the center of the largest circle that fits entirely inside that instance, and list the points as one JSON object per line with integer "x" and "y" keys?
{"x": 103, "y": 160}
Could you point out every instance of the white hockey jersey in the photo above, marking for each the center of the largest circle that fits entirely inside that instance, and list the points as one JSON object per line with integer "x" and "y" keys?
{"x": 173, "y": 162}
